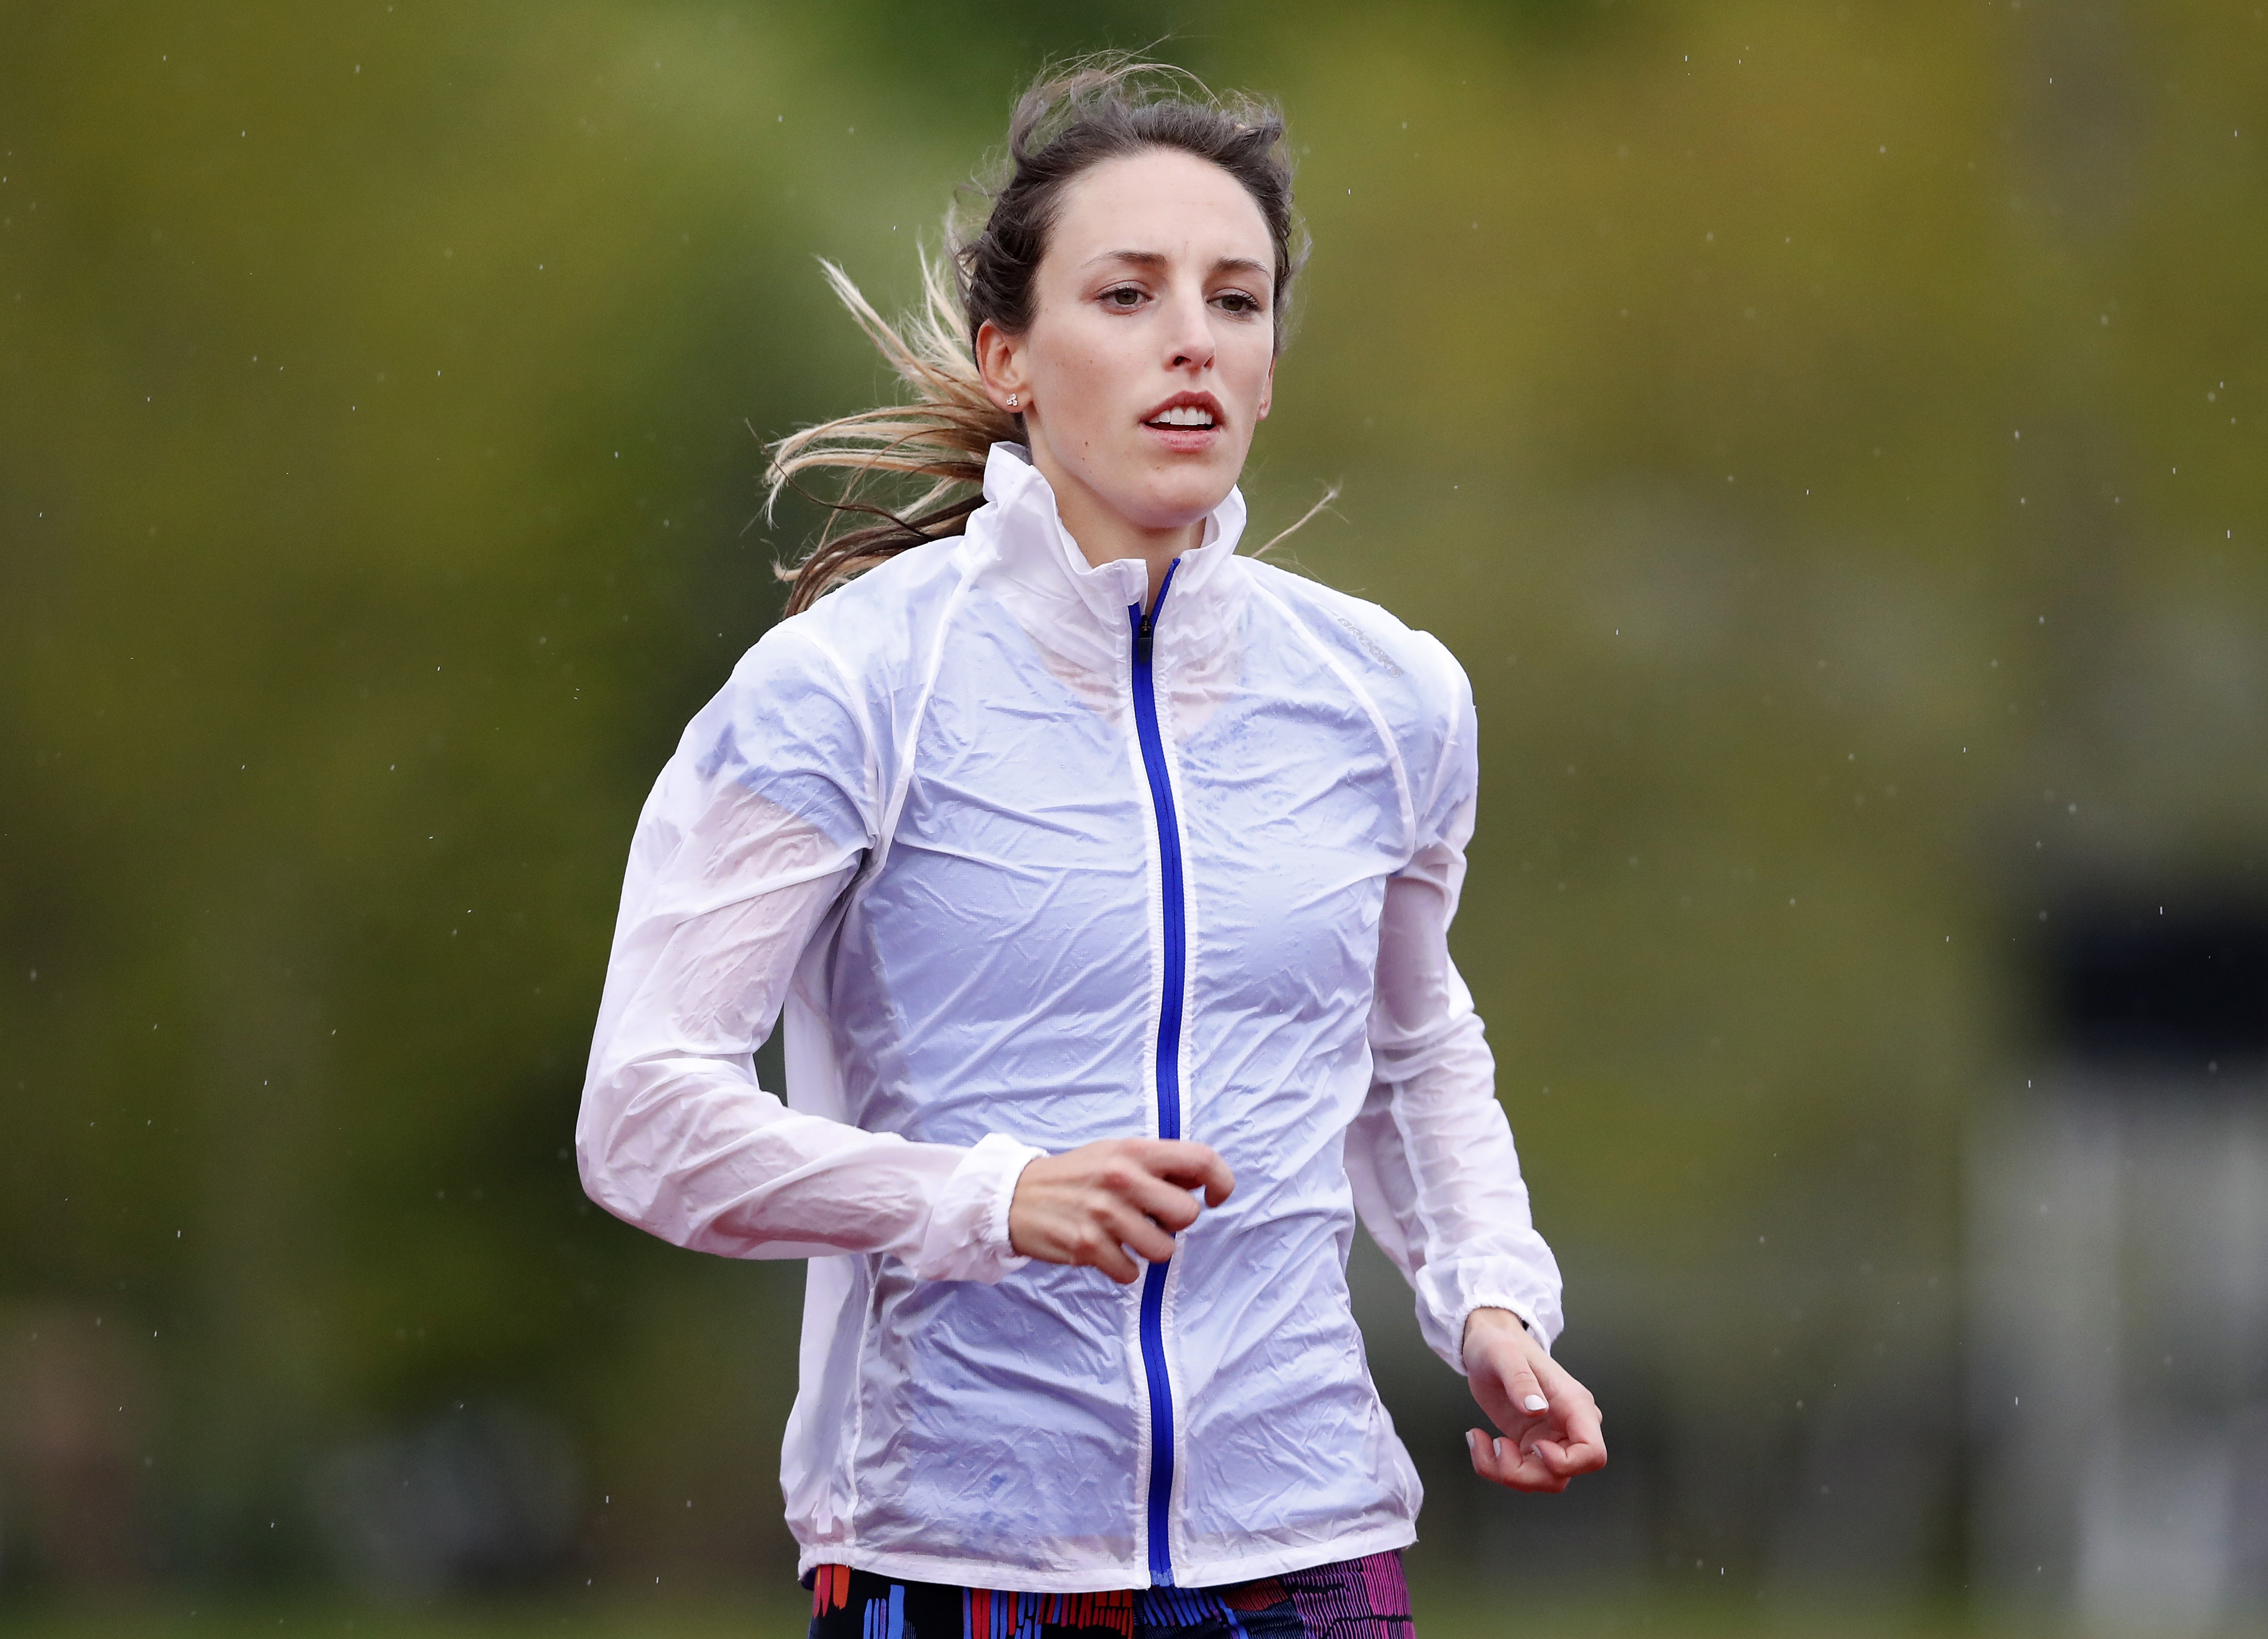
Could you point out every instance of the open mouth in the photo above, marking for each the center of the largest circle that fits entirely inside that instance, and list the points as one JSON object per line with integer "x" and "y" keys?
{"x": 1185, "y": 414}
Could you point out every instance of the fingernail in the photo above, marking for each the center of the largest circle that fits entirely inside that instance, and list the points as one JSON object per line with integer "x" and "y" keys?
{"x": 1535, "y": 1402}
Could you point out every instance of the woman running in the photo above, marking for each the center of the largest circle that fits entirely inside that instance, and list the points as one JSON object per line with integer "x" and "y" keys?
{"x": 1105, "y": 877}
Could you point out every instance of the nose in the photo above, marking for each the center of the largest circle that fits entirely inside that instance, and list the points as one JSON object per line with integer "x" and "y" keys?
{"x": 1189, "y": 336}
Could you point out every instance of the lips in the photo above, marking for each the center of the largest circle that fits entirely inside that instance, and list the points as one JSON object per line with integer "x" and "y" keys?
{"x": 1186, "y": 421}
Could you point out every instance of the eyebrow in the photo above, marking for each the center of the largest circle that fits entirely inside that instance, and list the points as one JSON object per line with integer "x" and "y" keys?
{"x": 1157, "y": 259}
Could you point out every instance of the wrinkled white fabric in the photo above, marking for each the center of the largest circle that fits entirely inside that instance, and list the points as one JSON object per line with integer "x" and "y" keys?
{"x": 919, "y": 818}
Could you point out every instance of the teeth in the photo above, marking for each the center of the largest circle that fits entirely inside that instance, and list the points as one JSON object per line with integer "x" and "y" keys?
{"x": 1185, "y": 415}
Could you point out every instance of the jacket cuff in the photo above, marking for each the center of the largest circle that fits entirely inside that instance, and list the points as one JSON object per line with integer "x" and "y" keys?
{"x": 967, "y": 1236}
{"x": 1447, "y": 1294}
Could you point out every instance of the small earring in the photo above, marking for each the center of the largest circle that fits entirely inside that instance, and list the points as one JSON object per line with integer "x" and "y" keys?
{"x": 1013, "y": 401}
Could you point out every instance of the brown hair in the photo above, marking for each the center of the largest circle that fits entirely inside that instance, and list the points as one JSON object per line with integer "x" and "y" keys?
{"x": 1071, "y": 120}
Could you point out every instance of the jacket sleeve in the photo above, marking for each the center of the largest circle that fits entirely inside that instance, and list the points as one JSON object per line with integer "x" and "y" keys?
{"x": 752, "y": 832}
{"x": 1436, "y": 1177}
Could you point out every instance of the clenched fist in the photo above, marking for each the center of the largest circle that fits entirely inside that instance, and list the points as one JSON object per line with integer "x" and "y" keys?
{"x": 1092, "y": 1204}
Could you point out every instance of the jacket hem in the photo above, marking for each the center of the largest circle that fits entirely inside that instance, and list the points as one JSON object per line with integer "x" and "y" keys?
{"x": 971, "y": 1573}
{"x": 1253, "y": 1567}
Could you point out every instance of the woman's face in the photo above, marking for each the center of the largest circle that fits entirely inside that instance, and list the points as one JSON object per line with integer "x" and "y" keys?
{"x": 1152, "y": 351}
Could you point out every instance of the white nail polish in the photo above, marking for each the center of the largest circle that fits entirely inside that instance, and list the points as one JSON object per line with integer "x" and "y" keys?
{"x": 1535, "y": 1402}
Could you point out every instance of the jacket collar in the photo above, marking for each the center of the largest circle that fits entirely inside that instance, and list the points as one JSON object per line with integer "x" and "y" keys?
{"x": 1047, "y": 578}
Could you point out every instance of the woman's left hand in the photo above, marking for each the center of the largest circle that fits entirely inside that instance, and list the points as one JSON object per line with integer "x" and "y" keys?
{"x": 1549, "y": 1421}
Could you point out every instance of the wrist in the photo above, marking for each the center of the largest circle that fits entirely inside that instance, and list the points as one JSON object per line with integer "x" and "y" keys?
{"x": 1485, "y": 1324}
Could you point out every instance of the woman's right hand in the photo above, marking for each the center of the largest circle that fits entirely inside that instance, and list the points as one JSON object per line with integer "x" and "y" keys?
{"x": 1092, "y": 1204}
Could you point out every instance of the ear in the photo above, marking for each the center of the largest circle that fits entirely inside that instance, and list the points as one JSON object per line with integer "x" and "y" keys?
{"x": 1267, "y": 391}
{"x": 1000, "y": 362}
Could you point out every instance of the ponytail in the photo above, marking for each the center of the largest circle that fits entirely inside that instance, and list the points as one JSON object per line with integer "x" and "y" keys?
{"x": 943, "y": 436}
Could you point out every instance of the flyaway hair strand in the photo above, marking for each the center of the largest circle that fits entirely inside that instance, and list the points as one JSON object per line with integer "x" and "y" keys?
{"x": 943, "y": 436}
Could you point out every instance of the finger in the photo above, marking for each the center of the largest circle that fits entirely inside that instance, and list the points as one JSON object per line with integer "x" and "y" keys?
{"x": 1506, "y": 1463}
{"x": 1571, "y": 1408}
{"x": 1097, "y": 1247}
{"x": 1114, "y": 1261}
{"x": 1506, "y": 1387}
{"x": 1582, "y": 1456}
{"x": 1526, "y": 1391}
{"x": 1582, "y": 1446}
{"x": 1583, "y": 1421}
{"x": 1568, "y": 1459}
{"x": 1136, "y": 1172}
{"x": 1529, "y": 1468}
{"x": 1557, "y": 1383}
{"x": 1487, "y": 1460}
{"x": 1131, "y": 1194}
{"x": 1220, "y": 1182}
{"x": 1171, "y": 1206}
{"x": 1192, "y": 1165}
{"x": 1130, "y": 1229}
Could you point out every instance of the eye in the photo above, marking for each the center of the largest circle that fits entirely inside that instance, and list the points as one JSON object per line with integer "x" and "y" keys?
{"x": 1241, "y": 302}
{"x": 1122, "y": 299}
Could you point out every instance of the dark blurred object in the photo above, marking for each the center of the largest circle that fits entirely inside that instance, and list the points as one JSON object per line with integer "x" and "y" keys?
{"x": 70, "y": 1469}
{"x": 2118, "y": 1276}
{"x": 2179, "y": 984}
{"x": 475, "y": 1501}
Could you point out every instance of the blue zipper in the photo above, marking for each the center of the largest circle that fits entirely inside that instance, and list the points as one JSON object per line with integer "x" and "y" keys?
{"x": 1169, "y": 1070}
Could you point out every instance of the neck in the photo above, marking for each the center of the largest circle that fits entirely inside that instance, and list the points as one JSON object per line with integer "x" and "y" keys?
{"x": 1105, "y": 535}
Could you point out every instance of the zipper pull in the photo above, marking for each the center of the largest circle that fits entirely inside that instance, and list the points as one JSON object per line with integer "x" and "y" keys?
{"x": 1148, "y": 624}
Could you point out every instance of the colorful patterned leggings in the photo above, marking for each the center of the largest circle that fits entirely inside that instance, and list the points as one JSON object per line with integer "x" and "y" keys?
{"x": 1356, "y": 1599}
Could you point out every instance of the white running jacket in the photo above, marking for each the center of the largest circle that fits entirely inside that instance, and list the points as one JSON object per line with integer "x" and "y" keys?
{"x": 1024, "y": 870}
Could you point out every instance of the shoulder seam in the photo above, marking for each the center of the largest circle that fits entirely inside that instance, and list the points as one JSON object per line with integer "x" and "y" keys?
{"x": 1377, "y": 723}
{"x": 1331, "y": 597}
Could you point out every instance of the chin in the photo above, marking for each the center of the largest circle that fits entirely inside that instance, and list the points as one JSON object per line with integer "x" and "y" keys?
{"x": 1171, "y": 500}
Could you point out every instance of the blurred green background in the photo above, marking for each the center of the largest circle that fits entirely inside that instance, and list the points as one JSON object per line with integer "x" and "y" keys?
{"x": 1829, "y": 435}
